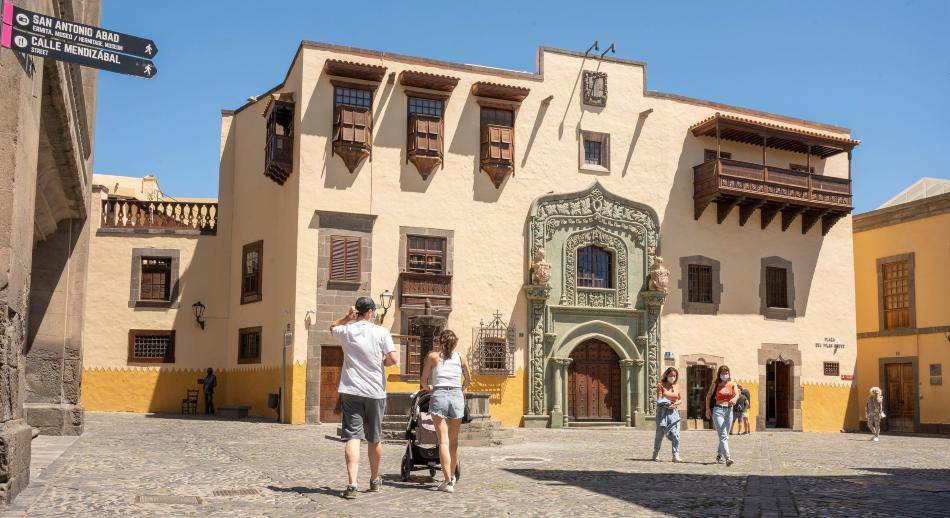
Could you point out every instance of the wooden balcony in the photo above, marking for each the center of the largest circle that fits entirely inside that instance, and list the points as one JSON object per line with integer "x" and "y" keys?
{"x": 415, "y": 288}
{"x": 730, "y": 184}
{"x": 279, "y": 157}
{"x": 200, "y": 218}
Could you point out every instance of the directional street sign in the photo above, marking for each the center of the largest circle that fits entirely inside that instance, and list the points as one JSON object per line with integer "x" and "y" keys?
{"x": 72, "y": 32}
{"x": 64, "y": 51}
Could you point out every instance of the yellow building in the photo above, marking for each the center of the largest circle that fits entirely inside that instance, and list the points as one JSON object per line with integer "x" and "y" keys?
{"x": 902, "y": 277}
{"x": 533, "y": 210}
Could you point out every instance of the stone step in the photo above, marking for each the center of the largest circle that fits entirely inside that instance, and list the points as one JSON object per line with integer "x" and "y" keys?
{"x": 597, "y": 424}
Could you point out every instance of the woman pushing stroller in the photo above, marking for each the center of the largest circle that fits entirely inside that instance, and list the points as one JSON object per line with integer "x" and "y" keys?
{"x": 447, "y": 369}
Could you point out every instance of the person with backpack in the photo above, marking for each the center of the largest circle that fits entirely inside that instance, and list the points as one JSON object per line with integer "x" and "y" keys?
{"x": 739, "y": 411}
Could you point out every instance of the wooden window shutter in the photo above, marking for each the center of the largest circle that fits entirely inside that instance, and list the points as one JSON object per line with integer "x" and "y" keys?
{"x": 345, "y": 258}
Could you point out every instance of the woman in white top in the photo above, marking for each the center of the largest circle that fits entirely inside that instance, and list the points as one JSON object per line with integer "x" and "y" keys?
{"x": 446, "y": 403}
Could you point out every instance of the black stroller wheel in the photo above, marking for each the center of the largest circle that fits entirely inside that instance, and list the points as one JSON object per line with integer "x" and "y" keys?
{"x": 432, "y": 472}
{"x": 406, "y": 468}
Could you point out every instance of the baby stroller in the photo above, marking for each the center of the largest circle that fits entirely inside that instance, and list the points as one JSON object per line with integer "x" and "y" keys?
{"x": 423, "y": 449}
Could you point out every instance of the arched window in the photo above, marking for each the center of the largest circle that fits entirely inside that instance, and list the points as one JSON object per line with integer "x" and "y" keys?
{"x": 594, "y": 268}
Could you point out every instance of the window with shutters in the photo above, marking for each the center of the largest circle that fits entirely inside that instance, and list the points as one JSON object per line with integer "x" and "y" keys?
{"x": 424, "y": 141}
{"x": 776, "y": 286}
{"x": 594, "y": 268}
{"x": 156, "y": 279}
{"x": 497, "y": 143}
{"x": 896, "y": 284}
{"x": 252, "y": 266}
{"x": 345, "y": 259}
{"x": 249, "y": 345}
{"x": 700, "y": 283}
{"x": 151, "y": 346}
{"x": 426, "y": 254}
{"x": 352, "y": 123}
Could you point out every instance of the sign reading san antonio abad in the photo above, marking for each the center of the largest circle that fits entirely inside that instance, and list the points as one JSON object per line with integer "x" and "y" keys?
{"x": 71, "y": 52}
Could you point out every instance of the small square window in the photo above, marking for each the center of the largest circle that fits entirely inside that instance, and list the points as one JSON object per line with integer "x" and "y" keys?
{"x": 595, "y": 151}
{"x": 156, "y": 278}
{"x": 151, "y": 346}
{"x": 249, "y": 345}
{"x": 710, "y": 154}
{"x": 831, "y": 369}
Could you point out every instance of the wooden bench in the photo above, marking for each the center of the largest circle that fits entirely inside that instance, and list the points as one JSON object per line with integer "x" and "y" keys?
{"x": 232, "y": 411}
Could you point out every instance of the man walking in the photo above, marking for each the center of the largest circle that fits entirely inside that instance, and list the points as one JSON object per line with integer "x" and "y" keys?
{"x": 367, "y": 350}
{"x": 209, "y": 382}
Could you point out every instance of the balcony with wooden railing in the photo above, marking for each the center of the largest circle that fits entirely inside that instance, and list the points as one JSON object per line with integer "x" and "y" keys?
{"x": 159, "y": 216}
{"x": 416, "y": 288}
{"x": 773, "y": 190}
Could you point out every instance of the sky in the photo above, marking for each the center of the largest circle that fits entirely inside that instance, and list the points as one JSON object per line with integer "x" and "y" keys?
{"x": 881, "y": 68}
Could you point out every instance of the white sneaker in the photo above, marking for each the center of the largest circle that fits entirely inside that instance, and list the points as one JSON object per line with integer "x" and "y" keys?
{"x": 877, "y": 439}
{"x": 677, "y": 458}
{"x": 656, "y": 456}
{"x": 448, "y": 487}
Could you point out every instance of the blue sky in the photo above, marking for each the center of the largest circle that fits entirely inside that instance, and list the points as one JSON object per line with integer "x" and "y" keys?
{"x": 881, "y": 68}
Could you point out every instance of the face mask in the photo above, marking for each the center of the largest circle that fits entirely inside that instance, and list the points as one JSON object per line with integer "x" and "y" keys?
{"x": 671, "y": 379}
{"x": 724, "y": 377}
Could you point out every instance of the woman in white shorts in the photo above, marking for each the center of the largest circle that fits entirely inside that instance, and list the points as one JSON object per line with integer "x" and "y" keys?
{"x": 446, "y": 403}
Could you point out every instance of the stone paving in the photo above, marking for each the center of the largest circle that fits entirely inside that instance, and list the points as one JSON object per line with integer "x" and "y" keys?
{"x": 227, "y": 468}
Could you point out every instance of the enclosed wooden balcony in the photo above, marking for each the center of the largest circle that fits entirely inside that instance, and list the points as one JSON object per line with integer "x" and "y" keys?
{"x": 773, "y": 190}
{"x": 415, "y": 288}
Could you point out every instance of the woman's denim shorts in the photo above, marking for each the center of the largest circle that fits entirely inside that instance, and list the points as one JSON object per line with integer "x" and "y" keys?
{"x": 447, "y": 402}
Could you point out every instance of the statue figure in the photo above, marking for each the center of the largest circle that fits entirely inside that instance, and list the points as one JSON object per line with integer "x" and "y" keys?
{"x": 659, "y": 276}
{"x": 540, "y": 269}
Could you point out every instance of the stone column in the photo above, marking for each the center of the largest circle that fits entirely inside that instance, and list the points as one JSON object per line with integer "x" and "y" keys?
{"x": 537, "y": 296}
{"x": 626, "y": 381}
{"x": 559, "y": 370}
{"x": 636, "y": 381}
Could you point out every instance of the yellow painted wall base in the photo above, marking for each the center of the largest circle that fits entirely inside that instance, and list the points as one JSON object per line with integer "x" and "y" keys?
{"x": 161, "y": 389}
{"x": 829, "y": 408}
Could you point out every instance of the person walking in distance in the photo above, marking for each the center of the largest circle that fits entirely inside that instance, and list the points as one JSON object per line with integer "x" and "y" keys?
{"x": 747, "y": 396}
{"x": 367, "y": 350}
{"x": 740, "y": 411}
{"x": 209, "y": 382}
{"x": 447, "y": 369}
{"x": 668, "y": 398}
{"x": 874, "y": 412}
{"x": 726, "y": 394}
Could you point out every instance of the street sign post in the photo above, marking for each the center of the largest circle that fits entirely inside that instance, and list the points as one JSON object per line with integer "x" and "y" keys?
{"x": 46, "y": 47}
{"x": 78, "y": 33}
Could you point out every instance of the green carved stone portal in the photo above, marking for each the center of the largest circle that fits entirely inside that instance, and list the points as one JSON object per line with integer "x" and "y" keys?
{"x": 563, "y": 314}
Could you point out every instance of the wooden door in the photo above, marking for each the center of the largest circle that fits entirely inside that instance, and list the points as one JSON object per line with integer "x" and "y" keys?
{"x": 594, "y": 383}
{"x": 783, "y": 388}
{"x": 900, "y": 397}
{"x": 698, "y": 377}
{"x": 331, "y": 366}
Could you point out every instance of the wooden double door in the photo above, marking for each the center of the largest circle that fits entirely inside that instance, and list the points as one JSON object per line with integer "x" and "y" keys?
{"x": 331, "y": 368}
{"x": 594, "y": 383}
{"x": 900, "y": 397}
{"x": 778, "y": 394}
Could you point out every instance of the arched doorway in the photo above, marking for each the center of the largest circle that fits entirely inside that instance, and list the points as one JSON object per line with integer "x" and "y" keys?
{"x": 594, "y": 383}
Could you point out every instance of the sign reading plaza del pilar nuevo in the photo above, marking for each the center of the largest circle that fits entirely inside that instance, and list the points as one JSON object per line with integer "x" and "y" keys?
{"x": 65, "y": 40}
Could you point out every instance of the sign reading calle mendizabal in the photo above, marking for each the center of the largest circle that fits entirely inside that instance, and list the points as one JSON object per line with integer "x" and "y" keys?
{"x": 64, "y": 40}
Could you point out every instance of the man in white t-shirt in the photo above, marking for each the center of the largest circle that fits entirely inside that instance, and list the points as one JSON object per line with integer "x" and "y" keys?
{"x": 367, "y": 350}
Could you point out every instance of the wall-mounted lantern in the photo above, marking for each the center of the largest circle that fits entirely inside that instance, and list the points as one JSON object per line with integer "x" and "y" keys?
{"x": 385, "y": 300}
{"x": 199, "y": 309}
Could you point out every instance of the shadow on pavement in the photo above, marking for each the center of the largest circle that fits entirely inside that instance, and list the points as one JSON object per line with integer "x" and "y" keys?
{"x": 871, "y": 491}
{"x": 308, "y": 490}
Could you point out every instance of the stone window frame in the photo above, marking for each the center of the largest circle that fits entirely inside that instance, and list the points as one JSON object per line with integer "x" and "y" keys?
{"x": 248, "y": 297}
{"x": 136, "y": 277}
{"x": 405, "y": 232}
{"x": 242, "y": 332}
{"x": 700, "y": 308}
{"x": 764, "y": 309}
{"x": 604, "y": 139}
{"x": 910, "y": 258}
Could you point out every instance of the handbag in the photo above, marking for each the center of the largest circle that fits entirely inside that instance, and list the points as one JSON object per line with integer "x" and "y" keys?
{"x": 466, "y": 416}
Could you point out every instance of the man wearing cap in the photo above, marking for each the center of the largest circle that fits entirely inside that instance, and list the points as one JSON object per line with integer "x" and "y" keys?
{"x": 367, "y": 350}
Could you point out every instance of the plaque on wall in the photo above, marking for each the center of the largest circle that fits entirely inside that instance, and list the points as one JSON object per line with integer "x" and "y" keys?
{"x": 595, "y": 88}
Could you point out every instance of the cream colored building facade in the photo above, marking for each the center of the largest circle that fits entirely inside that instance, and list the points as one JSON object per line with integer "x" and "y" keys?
{"x": 602, "y": 173}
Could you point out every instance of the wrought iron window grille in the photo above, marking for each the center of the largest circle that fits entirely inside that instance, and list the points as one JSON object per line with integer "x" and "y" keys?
{"x": 493, "y": 348}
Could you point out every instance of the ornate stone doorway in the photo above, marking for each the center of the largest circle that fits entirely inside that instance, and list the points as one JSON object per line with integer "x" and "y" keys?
{"x": 590, "y": 296}
{"x": 594, "y": 383}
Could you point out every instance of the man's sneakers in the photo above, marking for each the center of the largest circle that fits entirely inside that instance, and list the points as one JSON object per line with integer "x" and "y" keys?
{"x": 349, "y": 493}
{"x": 375, "y": 484}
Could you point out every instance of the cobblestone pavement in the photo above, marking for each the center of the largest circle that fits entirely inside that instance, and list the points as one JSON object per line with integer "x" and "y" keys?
{"x": 293, "y": 470}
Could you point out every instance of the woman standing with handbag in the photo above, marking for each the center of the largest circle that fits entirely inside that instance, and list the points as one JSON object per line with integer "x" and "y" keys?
{"x": 447, "y": 401}
{"x": 726, "y": 393}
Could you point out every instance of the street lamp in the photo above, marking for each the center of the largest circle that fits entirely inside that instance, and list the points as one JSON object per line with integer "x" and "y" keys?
{"x": 199, "y": 309}
{"x": 386, "y": 300}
